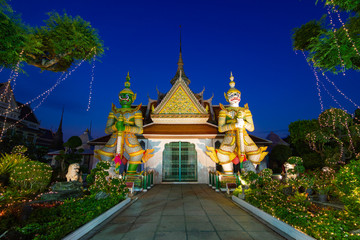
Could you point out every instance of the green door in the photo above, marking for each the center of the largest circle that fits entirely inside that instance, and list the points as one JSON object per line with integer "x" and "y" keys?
{"x": 179, "y": 162}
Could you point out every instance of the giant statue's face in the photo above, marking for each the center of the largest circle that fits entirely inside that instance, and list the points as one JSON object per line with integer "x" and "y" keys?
{"x": 234, "y": 97}
{"x": 125, "y": 99}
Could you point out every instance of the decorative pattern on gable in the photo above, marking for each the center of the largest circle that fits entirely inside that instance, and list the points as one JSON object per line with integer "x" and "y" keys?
{"x": 180, "y": 103}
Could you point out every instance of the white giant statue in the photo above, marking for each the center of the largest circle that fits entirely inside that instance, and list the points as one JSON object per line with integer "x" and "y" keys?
{"x": 237, "y": 146}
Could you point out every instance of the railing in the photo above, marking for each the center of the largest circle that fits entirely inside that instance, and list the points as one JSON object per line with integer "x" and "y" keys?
{"x": 142, "y": 181}
{"x": 218, "y": 180}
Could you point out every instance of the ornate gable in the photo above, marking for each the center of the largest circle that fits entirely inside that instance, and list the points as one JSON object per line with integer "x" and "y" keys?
{"x": 180, "y": 106}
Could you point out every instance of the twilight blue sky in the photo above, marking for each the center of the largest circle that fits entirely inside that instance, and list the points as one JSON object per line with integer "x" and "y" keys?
{"x": 250, "y": 38}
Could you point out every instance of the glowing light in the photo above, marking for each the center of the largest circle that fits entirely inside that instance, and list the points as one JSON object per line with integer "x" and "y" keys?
{"x": 339, "y": 91}
{"x": 336, "y": 41}
{"x": 332, "y": 96}
{"x": 45, "y": 94}
{"x": 343, "y": 25}
{"x": 317, "y": 82}
{"x": 13, "y": 75}
{"x": 91, "y": 84}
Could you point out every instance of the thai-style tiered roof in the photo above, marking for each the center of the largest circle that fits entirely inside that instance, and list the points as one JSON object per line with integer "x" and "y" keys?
{"x": 180, "y": 113}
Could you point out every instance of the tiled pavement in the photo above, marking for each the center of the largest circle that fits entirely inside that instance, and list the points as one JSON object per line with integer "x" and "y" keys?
{"x": 181, "y": 212}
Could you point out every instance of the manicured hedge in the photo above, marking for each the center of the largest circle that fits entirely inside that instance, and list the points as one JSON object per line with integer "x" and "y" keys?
{"x": 57, "y": 222}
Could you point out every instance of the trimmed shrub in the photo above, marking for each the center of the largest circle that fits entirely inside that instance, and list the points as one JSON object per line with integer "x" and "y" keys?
{"x": 348, "y": 183}
{"x": 31, "y": 176}
{"x": 99, "y": 180}
{"x": 9, "y": 161}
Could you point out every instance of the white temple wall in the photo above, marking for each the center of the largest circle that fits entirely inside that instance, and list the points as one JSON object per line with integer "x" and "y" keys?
{"x": 204, "y": 163}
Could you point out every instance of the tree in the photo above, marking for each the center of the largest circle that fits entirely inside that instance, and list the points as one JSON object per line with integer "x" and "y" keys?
{"x": 324, "y": 44}
{"x": 278, "y": 156}
{"x": 11, "y": 140}
{"x": 53, "y": 47}
{"x": 72, "y": 154}
{"x": 337, "y": 138}
{"x": 357, "y": 116}
{"x": 298, "y": 131}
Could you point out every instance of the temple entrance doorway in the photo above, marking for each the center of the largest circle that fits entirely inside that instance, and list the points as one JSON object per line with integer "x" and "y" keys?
{"x": 179, "y": 162}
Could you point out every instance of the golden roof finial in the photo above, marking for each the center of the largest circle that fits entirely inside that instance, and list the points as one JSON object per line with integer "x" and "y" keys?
{"x": 232, "y": 83}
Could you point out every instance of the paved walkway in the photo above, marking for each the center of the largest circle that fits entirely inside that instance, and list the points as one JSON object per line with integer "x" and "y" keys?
{"x": 182, "y": 212}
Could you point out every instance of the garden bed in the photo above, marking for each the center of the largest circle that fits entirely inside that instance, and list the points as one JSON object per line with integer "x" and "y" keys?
{"x": 276, "y": 223}
{"x": 83, "y": 230}
{"x": 292, "y": 202}
{"x": 58, "y": 221}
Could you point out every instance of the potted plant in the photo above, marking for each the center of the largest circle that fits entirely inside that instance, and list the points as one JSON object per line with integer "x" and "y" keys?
{"x": 323, "y": 192}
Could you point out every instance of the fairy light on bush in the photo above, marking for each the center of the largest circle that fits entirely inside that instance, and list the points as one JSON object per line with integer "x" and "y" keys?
{"x": 336, "y": 40}
{"x": 343, "y": 25}
{"x": 91, "y": 84}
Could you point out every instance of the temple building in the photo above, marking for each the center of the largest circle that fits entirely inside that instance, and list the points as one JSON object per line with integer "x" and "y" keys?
{"x": 179, "y": 125}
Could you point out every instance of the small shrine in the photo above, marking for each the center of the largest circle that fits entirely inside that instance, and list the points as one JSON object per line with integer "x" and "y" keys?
{"x": 179, "y": 127}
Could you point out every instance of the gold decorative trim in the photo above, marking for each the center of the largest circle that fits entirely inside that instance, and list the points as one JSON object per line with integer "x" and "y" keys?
{"x": 111, "y": 145}
{"x": 189, "y": 95}
{"x": 101, "y": 152}
{"x": 136, "y": 153}
{"x": 224, "y": 152}
{"x": 129, "y": 144}
{"x": 223, "y": 163}
{"x": 178, "y": 115}
{"x": 135, "y": 162}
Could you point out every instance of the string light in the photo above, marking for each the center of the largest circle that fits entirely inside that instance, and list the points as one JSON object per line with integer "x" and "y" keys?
{"x": 91, "y": 83}
{"x": 317, "y": 82}
{"x": 40, "y": 95}
{"x": 339, "y": 91}
{"x": 332, "y": 96}
{"x": 13, "y": 75}
{"x": 312, "y": 137}
{"x": 46, "y": 93}
{"x": 343, "y": 25}
{"x": 336, "y": 40}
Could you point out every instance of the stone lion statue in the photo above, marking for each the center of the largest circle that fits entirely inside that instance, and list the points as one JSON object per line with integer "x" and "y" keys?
{"x": 73, "y": 173}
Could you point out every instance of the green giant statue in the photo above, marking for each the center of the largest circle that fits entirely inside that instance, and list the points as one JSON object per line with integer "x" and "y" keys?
{"x": 123, "y": 123}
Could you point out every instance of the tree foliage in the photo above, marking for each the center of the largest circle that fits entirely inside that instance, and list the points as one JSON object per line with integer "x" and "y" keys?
{"x": 324, "y": 44}
{"x": 331, "y": 139}
{"x": 55, "y": 47}
{"x": 335, "y": 140}
{"x": 10, "y": 140}
{"x": 71, "y": 154}
{"x": 278, "y": 156}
